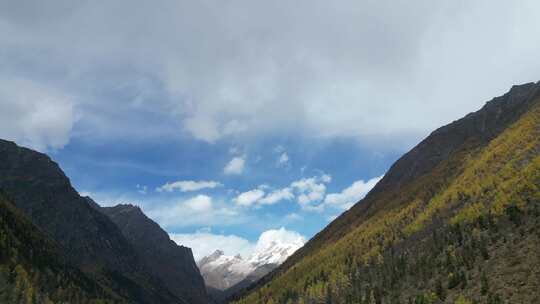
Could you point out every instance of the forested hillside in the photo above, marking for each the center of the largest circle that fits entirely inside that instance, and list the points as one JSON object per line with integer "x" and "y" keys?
{"x": 88, "y": 239}
{"x": 455, "y": 220}
{"x": 32, "y": 269}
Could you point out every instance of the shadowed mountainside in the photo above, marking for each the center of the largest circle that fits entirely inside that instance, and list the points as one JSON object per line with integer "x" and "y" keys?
{"x": 32, "y": 269}
{"x": 171, "y": 263}
{"x": 88, "y": 238}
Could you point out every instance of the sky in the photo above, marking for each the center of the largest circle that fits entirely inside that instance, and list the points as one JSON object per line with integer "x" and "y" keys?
{"x": 226, "y": 119}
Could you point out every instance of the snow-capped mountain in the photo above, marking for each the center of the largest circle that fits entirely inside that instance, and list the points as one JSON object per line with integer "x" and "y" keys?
{"x": 274, "y": 247}
{"x": 222, "y": 271}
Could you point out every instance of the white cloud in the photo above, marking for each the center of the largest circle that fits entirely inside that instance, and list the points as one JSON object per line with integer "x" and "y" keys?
{"x": 203, "y": 128}
{"x": 283, "y": 160}
{"x": 278, "y": 237}
{"x": 248, "y": 198}
{"x": 235, "y": 166}
{"x": 142, "y": 189}
{"x": 259, "y": 197}
{"x": 325, "y": 178}
{"x": 281, "y": 235}
{"x": 327, "y": 63}
{"x": 352, "y": 194}
{"x": 311, "y": 191}
{"x": 277, "y": 196}
{"x": 200, "y": 203}
{"x": 234, "y": 127}
{"x": 195, "y": 211}
{"x": 187, "y": 185}
{"x": 204, "y": 243}
{"x": 34, "y": 115}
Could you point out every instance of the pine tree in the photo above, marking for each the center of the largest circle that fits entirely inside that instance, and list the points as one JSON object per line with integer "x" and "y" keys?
{"x": 441, "y": 292}
{"x": 484, "y": 284}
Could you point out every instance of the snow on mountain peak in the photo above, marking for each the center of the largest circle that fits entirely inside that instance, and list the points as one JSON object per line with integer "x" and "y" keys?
{"x": 273, "y": 248}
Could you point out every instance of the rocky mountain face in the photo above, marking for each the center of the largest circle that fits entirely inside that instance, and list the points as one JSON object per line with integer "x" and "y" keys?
{"x": 455, "y": 220}
{"x": 221, "y": 271}
{"x": 32, "y": 270}
{"x": 89, "y": 239}
{"x": 172, "y": 264}
{"x": 224, "y": 275}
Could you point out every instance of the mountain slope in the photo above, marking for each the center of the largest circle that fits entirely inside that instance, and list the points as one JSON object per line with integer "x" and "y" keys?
{"x": 31, "y": 268}
{"x": 171, "y": 263}
{"x": 456, "y": 218}
{"x": 89, "y": 240}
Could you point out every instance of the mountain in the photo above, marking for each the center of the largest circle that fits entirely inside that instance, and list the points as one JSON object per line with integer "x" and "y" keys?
{"x": 222, "y": 272}
{"x": 225, "y": 275}
{"x": 454, "y": 220}
{"x": 89, "y": 240}
{"x": 32, "y": 269}
{"x": 172, "y": 264}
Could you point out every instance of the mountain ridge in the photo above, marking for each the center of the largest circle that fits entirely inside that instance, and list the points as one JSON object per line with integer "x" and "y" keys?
{"x": 527, "y": 92}
{"x": 170, "y": 262}
{"x": 419, "y": 194}
{"x": 31, "y": 266}
{"x": 90, "y": 241}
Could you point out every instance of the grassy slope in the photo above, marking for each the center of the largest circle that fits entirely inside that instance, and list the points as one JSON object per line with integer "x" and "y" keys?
{"x": 31, "y": 271}
{"x": 473, "y": 184}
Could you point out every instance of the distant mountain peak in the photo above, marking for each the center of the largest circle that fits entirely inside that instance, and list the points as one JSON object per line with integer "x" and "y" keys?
{"x": 129, "y": 208}
{"x": 222, "y": 271}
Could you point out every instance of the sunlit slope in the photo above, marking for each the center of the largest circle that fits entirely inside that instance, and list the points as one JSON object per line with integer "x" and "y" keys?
{"x": 455, "y": 217}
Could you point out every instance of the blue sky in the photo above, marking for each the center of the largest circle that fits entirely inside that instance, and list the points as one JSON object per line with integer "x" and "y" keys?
{"x": 133, "y": 172}
{"x": 248, "y": 115}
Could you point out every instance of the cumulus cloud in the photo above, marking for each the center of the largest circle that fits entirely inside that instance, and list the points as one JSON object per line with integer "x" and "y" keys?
{"x": 34, "y": 114}
{"x": 195, "y": 211}
{"x": 348, "y": 68}
{"x": 352, "y": 194}
{"x": 281, "y": 236}
{"x": 235, "y": 166}
{"x": 204, "y": 243}
{"x": 259, "y": 197}
{"x": 277, "y": 196}
{"x": 248, "y": 198}
{"x": 188, "y": 185}
{"x": 311, "y": 191}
